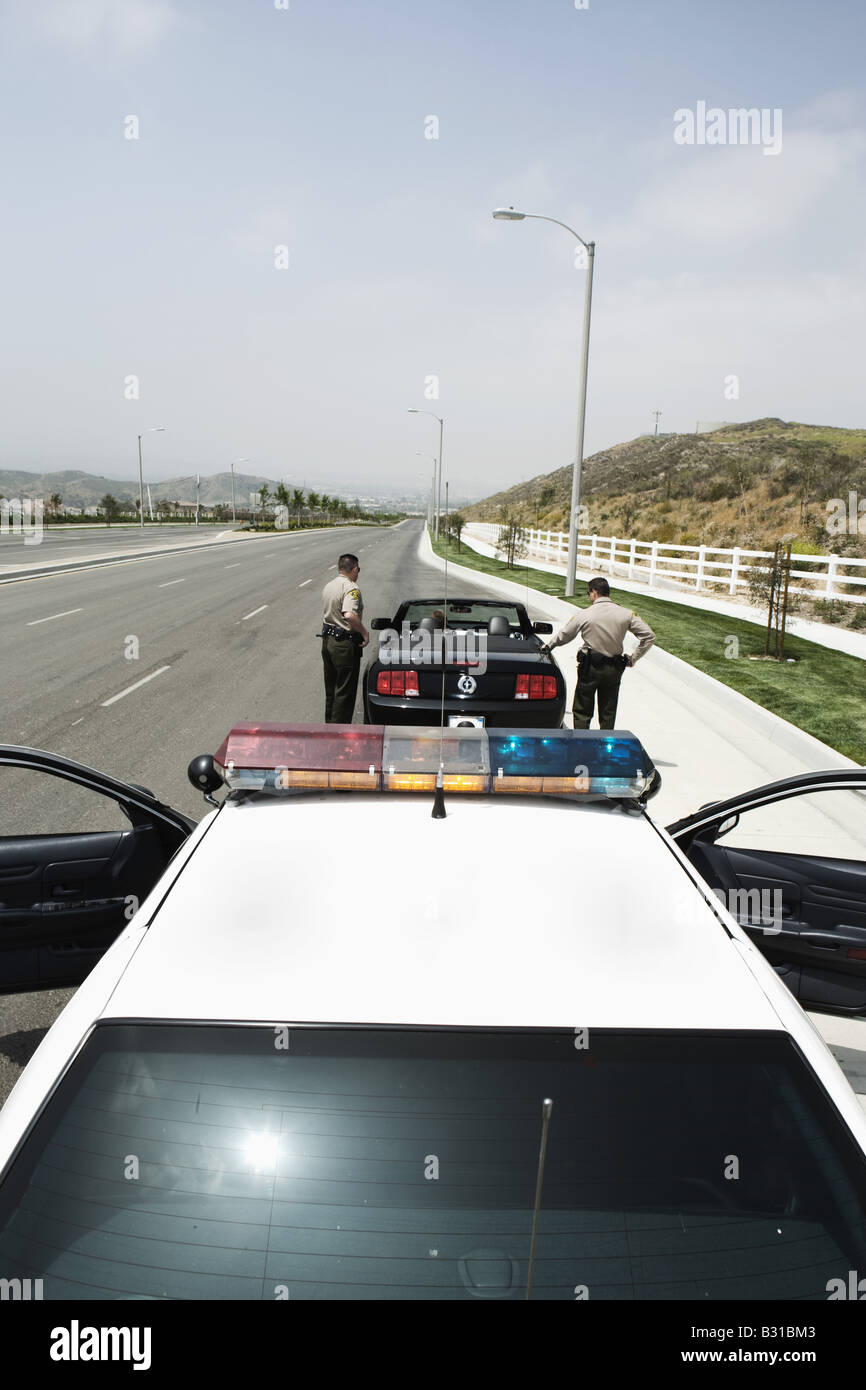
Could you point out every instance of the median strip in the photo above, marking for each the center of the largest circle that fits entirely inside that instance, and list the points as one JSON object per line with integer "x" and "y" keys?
{"x": 129, "y": 689}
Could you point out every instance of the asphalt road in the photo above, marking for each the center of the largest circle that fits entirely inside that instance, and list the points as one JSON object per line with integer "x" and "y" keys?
{"x": 225, "y": 633}
{"x": 69, "y": 543}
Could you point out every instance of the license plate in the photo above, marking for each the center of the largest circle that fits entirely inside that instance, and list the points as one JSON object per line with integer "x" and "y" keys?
{"x": 466, "y": 721}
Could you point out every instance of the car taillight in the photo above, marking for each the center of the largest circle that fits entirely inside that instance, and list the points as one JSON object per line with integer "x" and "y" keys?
{"x": 397, "y": 683}
{"x": 535, "y": 688}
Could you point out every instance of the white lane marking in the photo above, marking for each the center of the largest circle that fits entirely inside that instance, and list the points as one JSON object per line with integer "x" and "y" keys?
{"x": 305, "y": 583}
{"x": 50, "y": 619}
{"x": 168, "y": 583}
{"x": 235, "y": 566}
{"x": 129, "y": 689}
{"x": 254, "y": 612}
{"x": 332, "y": 567}
{"x": 77, "y": 721}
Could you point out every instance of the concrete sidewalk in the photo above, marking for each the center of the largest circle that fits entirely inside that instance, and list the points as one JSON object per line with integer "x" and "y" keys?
{"x": 824, "y": 634}
{"x": 708, "y": 741}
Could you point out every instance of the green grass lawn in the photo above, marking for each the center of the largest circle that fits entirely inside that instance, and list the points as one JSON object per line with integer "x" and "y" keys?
{"x": 822, "y": 692}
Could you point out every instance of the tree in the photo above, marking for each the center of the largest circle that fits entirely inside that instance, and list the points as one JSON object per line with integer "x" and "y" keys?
{"x": 110, "y": 506}
{"x": 282, "y": 495}
{"x": 298, "y": 502}
{"x": 55, "y": 502}
{"x": 314, "y": 501}
{"x": 512, "y": 535}
{"x": 264, "y": 494}
{"x": 326, "y": 505}
{"x": 456, "y": 522}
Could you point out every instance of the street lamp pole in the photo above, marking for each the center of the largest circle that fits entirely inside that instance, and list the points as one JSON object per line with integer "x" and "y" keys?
{"x": 160, "y": 429}
{"x": 509, "y": 215}
{"x": 413, "y": 410}
{"x": 232, "y": 466}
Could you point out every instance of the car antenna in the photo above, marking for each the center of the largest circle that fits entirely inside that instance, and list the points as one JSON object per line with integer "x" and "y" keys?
{"x": 438, "y": 812}
{"x": 546, "y": 1112}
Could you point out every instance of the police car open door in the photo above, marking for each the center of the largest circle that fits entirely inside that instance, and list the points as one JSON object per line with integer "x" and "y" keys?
{"x": 789, "y": 862}
{"x": 79, "y": 851}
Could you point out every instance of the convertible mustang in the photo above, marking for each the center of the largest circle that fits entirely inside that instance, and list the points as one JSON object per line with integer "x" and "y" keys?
{"x": 463, "y": 662}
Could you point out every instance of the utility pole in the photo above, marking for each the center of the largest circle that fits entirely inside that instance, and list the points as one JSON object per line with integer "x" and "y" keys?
{"x": 656, "y": 413}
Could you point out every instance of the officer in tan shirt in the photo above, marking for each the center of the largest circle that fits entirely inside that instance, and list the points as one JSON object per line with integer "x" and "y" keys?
{"x": 343, "y": 636}
{"x": 600, "y": 661}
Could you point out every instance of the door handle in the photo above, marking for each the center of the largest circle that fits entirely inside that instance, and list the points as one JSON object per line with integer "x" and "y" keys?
{"x": 822, "y": 941}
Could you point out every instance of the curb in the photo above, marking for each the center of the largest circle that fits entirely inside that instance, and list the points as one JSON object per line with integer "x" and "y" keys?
{"x": 774, "y": 729}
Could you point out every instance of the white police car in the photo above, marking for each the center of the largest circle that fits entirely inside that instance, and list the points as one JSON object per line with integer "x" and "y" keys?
{"x": 456, "y": 1083}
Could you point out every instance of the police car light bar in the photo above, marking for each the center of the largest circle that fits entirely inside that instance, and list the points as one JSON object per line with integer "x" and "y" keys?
{"x": 359, "y": 757}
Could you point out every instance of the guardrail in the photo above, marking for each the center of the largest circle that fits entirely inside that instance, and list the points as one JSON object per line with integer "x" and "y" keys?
{"x": 687, "y": 566}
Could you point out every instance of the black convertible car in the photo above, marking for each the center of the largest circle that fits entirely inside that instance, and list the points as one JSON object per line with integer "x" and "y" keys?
{"x": 475, "y": 661}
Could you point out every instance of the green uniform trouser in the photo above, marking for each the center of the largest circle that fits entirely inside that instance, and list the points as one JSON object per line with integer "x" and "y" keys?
{"x": 342, "y": 663}
{"x": 601, "y": 682}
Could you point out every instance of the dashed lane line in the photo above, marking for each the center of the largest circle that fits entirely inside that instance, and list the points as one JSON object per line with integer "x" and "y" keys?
{"x": 121, "y": 695}
{"x": 50, "y": 619}
{"x": 168, "y": 583}
{"x": 254, "y": 612}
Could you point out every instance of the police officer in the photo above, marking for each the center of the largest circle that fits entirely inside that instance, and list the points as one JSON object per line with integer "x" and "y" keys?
{"x": 601, "y": 661}
{"x": 343, "y": 636}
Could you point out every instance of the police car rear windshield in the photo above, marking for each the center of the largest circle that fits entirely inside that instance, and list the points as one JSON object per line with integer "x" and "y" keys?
{"x": 205, "y": 1162}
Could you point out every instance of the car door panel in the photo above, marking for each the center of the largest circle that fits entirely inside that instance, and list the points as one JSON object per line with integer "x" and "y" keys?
{"x": 804, "y": 912}
{"x": 64, "y": 898}
{"x": 817, "y": 903}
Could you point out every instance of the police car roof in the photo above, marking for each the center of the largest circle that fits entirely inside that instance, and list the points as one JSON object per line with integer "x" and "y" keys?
{"x": 353, "y": 908}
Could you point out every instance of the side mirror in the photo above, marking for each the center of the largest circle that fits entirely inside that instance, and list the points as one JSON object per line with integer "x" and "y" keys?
{"x": 379, "y": 624}
{"x": 204, "y": 777}
{"x": 544, "y": 629}
{"x": 727, "y": 825}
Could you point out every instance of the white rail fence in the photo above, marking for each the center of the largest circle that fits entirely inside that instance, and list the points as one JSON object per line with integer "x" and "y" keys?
{"x": 705, "y": 568}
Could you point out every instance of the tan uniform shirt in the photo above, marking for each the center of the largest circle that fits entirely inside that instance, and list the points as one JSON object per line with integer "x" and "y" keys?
{"x": 603, "y": 626}
{"x": 341, "y": 596}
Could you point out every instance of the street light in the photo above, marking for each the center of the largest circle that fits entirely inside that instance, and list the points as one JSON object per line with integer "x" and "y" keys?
{"x": 413, "y": 410}
{"x": 509, "y": 215}
{"x": 159, "y": 429}
{"x": 232, "y": 466}
{"x": 431, "y": 504}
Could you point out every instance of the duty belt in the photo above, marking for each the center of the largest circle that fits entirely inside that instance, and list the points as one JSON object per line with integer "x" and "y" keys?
{"x": 597, "y": 658}
{"x": 342, "y": 634}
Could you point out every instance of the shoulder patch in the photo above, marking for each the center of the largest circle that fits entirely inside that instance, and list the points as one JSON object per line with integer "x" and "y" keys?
{"x": 353, "y": 593}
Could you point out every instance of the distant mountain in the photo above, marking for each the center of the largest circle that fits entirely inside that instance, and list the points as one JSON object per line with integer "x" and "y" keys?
{"x": 743, "y": 485}
{"x": 79, "y": 489}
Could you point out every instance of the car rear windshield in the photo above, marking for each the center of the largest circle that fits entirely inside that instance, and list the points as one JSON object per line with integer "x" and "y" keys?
{"x": 204, "y": 1162}
{"x": 466, "y": 615}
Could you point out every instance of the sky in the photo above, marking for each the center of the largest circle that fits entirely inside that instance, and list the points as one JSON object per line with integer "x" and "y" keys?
{"x": 282, "y": 261}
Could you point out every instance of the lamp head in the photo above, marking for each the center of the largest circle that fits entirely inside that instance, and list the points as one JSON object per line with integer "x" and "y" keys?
{"x": 508, "y": 215}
